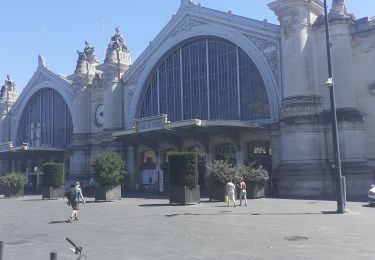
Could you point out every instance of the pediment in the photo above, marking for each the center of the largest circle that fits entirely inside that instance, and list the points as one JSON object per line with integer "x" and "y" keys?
{"x": 195, "y": 17}
{"x": 42, "y": 78}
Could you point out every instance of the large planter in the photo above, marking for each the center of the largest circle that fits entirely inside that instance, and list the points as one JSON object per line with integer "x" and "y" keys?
{"x": 53, "y": 192}
{"x": 255, "y": 190}
{"x": 184, "y": 195}
{"x": 103, "y": 193}
{"x": 13, "y": 192}
{"x": 218, "y": 192}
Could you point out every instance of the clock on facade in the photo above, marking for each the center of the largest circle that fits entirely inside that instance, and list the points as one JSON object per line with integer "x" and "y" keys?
{"x": 99, "y": 115}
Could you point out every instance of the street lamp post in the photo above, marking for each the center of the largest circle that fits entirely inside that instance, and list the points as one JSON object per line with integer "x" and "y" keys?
{"x": 336, "y": 149}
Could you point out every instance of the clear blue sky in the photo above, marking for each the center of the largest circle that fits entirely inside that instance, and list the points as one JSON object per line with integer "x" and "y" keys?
{"x": 57, "y": 28}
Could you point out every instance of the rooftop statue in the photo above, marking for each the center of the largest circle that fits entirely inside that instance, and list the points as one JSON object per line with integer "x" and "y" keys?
{"x": 338, "y": 11}
{"x": 117, "y": 41}
{"x": 88, "y": 53}
{"x": 9, "y": 85}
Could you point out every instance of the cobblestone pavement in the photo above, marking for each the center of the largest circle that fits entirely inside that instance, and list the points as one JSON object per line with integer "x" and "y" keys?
{"x": 150, "y": 228}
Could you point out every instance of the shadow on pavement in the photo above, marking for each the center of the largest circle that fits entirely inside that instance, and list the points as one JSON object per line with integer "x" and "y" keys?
{"x": 154, "y": 205}
{"x": 58, "y": 222}
{"x": 243, "y": 213}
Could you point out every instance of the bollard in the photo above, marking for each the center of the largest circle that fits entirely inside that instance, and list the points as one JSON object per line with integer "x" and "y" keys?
{"x": 1, "y": 249}
{"x": 343, "y": 183}
{"x": 53, "y": 256}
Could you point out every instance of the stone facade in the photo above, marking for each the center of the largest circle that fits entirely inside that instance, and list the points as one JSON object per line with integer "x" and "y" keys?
{"x": 105, "y": 101}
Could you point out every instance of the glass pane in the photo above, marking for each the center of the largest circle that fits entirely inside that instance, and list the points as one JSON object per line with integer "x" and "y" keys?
{"x": 45, "y": 121}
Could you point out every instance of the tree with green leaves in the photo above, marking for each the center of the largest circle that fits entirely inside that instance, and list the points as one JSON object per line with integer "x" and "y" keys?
{"x": 110, "y": 169}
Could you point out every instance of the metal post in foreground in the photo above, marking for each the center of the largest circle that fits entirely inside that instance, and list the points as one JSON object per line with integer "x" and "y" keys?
{"x": 53, "y": 256}
{"x": 1, "y": 250}
{"x": 336, "y": 149}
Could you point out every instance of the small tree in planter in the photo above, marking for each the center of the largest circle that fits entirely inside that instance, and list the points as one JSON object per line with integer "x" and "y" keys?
{"x": 53, "y": 182}
{"x": 183, "y": 178}
{"x": 255, "y": 179}
{"x": 220, "y": 173}
{"x": 13, "y": 184}
{"x": 109, "y": 173}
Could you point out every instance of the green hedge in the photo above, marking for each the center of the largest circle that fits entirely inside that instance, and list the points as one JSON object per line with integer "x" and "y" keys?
{"x": 53, "y": 174}
{"x": 109, "y": 169}
{"x": 13, "y": 179}
{"x": 183, "y": 169}
{"x": 221, "y": 172}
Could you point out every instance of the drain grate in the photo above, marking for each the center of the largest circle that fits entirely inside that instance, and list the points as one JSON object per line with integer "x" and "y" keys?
{"x": 295, "y": 238}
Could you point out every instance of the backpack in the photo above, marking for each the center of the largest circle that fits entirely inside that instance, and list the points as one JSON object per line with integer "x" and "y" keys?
{"x": 71, "y": 195}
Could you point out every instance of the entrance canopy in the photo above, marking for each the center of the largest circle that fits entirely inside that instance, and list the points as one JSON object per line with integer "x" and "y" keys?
{"x": 8, "y": 152}
{"x": 150, "y": 130}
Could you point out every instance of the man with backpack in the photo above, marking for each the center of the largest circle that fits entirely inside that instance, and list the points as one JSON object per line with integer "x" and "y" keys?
{"x": 74, "y": 196}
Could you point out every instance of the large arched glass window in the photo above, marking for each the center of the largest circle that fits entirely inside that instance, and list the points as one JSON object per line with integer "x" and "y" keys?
{"x": 45, "y": 121}
{"x": 206, "y": 78}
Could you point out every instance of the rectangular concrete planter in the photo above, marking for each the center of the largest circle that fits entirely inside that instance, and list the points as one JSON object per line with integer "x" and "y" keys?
{"x": 218, "y": 192}
{"x": 184, "y": 195}
{"x": 255, "y": 190}
{"x": 13, "y": 192}
{"x": 107, "y": 193}
{"x": 53, "y": 192}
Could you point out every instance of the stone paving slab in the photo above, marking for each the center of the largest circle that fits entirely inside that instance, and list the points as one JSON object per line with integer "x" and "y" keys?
{"x": 150, "y": 228}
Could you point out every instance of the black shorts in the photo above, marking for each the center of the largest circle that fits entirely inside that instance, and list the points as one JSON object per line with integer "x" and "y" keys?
{"x": 75, "y": 205}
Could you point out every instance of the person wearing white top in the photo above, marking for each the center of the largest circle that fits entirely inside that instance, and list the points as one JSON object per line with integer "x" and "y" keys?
{"x": 230, "y": 192}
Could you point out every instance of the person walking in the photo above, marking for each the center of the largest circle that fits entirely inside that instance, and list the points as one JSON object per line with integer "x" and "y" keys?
{"x": 75, "y": 202}
{"x": 230, "y": 192}
{"x": 243, "y": 192}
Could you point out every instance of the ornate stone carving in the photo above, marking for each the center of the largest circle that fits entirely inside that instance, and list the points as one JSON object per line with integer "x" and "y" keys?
{"x": 117, "y": 42}
{"x": 8, "y": 90}
{"x": 117, "y": 51}
{"x": 42, "y": 78}
{"x": 300, "y": 105}
{"x": 289, "y": 18}
{"x": 338, "y": 11}
{"x": 88, "y": 54}
{"x": 270, "y": 52}
{"x": 97, "y": 81}
{"x": 187, "y": 24}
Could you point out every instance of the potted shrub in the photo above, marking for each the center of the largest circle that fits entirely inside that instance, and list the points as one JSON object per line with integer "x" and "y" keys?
{"x": 220, "y": 173}
{"x": 53, "y": 180}
{"x": 109, "y": 173}
{"x": 255, "y": 179}
{"x": 13, "y": 184}
{"x": 183, "y": 178}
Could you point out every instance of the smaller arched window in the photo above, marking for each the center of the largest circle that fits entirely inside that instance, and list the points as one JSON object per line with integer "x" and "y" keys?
{"x": 45, "y": 121}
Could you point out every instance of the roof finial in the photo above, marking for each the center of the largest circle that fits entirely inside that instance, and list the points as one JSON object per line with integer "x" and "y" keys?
{"x": 41, "y": 61}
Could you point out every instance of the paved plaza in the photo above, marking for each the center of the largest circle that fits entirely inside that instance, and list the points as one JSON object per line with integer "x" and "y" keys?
{"x": 150, "y": 228}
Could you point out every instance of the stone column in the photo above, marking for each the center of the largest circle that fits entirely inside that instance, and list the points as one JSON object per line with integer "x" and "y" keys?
{"x": 342, "y": 55}
{"x": 81, "y": 116}
{"x": 301, "y": 135}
